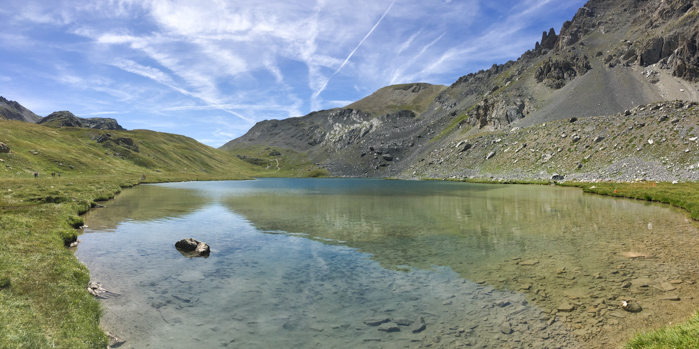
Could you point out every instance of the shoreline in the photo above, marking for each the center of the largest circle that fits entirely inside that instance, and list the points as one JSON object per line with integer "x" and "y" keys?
{"x": 585, "y": 187}
{"x": 101, "y": 190}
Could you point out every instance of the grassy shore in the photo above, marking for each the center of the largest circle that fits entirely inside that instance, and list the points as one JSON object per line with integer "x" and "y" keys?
{"x": 43, "y": 297}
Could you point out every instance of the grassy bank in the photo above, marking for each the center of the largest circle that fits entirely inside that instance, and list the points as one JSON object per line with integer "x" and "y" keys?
{"x": 683, "y": 195}
{"x": 43, "y": 297}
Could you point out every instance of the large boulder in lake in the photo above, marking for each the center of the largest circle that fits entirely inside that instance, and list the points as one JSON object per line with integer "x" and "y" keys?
{"x": 193, "y": 248}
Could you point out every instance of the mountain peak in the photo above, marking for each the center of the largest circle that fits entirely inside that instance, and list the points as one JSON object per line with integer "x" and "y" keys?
{"x": 11, "y": 110}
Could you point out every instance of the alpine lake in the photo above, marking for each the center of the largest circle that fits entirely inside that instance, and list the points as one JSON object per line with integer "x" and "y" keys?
{"x": 356, "y": 263}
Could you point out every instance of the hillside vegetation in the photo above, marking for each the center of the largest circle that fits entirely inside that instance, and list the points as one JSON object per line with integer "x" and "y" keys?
{"x": 81, "y": 152}
{"x": 43, "y": 298}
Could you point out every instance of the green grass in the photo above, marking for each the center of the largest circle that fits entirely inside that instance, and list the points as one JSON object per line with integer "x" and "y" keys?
{"x": 289, "y": 163}
{"x": 43, "y": 297}
{"x": 683, "y": 195}
{"x": 684, "y": 335}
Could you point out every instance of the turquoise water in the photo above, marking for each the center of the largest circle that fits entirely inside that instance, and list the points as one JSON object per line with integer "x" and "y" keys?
{"x": 303, "y": 263}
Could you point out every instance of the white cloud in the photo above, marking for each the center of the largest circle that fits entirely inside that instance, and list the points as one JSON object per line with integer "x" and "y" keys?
{"x": 246, "y": 61}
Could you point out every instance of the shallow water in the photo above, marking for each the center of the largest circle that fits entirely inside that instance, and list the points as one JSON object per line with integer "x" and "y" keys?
{"x": 304, "y": 262}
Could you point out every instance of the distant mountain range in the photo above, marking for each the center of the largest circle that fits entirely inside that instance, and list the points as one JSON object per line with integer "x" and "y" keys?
{"x": 11, "y": 110}
{"x": 612, "y": 57}
{"x": 584, "y": 103}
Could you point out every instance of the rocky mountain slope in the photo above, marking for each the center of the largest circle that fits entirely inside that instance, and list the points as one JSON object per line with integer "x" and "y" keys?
{"x": 11, "y": 110}
{"x": 611, "y": 59}
{"x": 67, "y": 119}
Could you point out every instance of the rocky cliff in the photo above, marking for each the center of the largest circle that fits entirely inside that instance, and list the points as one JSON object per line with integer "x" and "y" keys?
{"x": 11, "y": 110}
{"x": 610, "y": 58}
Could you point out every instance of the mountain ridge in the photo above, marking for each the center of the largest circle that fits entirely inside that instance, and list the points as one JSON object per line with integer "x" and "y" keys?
{"x": 612, "y": 56}
{"x": 12, "y": 110}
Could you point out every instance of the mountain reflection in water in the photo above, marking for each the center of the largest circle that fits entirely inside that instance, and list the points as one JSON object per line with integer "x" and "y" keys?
{"x": 315, "y": 278}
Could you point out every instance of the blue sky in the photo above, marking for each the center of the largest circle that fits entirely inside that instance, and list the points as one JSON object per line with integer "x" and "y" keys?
{"x": 210, "y": 69}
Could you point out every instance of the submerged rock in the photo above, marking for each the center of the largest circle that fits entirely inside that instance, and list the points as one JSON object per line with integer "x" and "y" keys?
{"x": 191, "y": 247}
{"x": 389, "y": 327}
{"x": 418, "y": 325}
{"x": 376, "y": 321}
{"x": 631, "y": 306}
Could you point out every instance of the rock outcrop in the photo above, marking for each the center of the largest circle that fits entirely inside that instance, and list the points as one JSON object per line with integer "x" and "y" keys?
{"x": 4, "y": 148}
{"x": 108, "y": 141}
{"x": 67, "y": 119}
{"x": 556, "y": 73}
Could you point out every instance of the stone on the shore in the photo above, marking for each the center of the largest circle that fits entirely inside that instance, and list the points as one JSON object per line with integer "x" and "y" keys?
{"x": 193, "y": 247}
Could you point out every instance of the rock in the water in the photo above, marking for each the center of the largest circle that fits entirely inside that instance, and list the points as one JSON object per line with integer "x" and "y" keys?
{"x": 114, "y": 341}
{"x": 671, "y": 297}
{"x": 389, "y": 327}
{"x": 95, "y": 289}
{"x": 506, "y": 328}
{"x": 631, "y": 306}
{"x": 528, "y": 263}
{"x": 193, "y": 247}
{"x": 375, "y": 321}
{"x": 418, "y": 325}
{"x": 666, "y": 287}
{"x": 403, "y": 321}
{"x": 566, "y": 307}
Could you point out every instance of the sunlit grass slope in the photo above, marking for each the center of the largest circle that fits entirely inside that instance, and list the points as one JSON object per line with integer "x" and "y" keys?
{"x": 76, "y": 152}
{"x": 43, "y": 297}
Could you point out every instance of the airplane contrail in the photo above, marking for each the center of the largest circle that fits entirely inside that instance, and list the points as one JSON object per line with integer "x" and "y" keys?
{"x": 315, "y": 95}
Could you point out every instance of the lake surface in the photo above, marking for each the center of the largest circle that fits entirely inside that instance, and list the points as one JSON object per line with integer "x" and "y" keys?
{"x": 316, "y": 263}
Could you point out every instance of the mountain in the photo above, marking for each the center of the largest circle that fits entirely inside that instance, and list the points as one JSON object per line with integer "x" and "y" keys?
{"x": 611, "y": 58}
{"x": 67, "y": 119}
{"x": 342, "y": 139}
{"x": 11, "y": 110}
